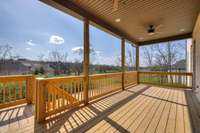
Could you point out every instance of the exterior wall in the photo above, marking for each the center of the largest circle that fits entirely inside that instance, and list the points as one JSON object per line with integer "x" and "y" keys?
{"x": 196, "y": 61}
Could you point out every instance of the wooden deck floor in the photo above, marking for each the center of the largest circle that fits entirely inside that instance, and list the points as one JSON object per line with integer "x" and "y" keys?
{"x": 139, "y": 109}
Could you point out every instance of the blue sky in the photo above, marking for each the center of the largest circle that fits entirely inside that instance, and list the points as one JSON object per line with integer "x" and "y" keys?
{"x": 33, "y": 28}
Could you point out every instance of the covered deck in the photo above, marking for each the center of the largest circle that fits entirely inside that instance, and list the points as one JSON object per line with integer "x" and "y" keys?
{"x": 124, "y": 101}
{"x": 140, "y": 108}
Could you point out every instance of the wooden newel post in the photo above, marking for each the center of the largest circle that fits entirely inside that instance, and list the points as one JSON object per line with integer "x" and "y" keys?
{"x": 137, "y": 62}
{"x": 123, "y": 61}
{"x": 30, "y": 88}
{"x": 86, "y": 60}
{"x": 40, "y": 106}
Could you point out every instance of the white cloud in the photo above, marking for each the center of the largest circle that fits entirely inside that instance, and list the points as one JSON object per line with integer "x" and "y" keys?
{"x": 56, "y": 40}
{"x": 30, "y": 42}
{"x": 78, "y": 50}
{"x": 28, "y": 48}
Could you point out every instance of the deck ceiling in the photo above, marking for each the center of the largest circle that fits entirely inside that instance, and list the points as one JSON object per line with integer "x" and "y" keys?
{"x": 177, "y": 17}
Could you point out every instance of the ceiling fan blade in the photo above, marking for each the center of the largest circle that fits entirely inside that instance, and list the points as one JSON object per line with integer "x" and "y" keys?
{"x": 159, "y": 26}
{"x": 115, "y": 5}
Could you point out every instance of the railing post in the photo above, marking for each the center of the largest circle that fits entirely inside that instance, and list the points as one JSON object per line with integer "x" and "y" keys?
{"x": 123, "y": 61}
{"x": 138, "y": 63}
{"x": 40, "y": 106}
{"x": 30, "y": 88}
{"x": 86, "y": 60}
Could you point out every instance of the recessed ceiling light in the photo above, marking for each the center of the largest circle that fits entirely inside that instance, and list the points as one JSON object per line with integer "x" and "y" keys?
{"x": 117, "y": 20}
{"x": 181, "y": 30}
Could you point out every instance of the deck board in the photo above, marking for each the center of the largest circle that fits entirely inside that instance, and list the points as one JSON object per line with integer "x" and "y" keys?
{"x": 139, "y": 109}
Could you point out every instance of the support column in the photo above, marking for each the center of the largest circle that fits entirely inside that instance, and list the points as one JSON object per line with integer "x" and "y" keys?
{"x": 137, "y": 62}
{"x": 123, "y": 60}
{"x": 86, "y": 60}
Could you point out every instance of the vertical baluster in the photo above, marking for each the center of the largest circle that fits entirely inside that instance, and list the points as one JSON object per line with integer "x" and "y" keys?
{"x": 110, "y": 83}
{"x": 48, "y": 99}
{"x": 91, "y": 87}
{"x": 20, "y": 89}
{"x": 63, "y": 97}
{"x": 78, "y": 89}
{"x": 53, "y": 98}
{"x": 93, "y": 90}
{"x": 75, "y": 87}
{"x": 68, "y": 91}
{"x": 14, "y": 85}
{"x": 71, "y": 87}
{"x": 82, "y": 89}
{"x": 99, "y": 83}
{"x": 95, "y": 84}
{"x": 4, "y": 92}
{"x": 58, "y": 94}
{"x": 104, "y": 85}
{"x": 101, "y": 89}
{"x": 10, "y": 91}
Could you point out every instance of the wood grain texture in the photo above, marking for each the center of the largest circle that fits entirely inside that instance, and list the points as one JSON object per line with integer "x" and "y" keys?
{"x": 140, "y": 109}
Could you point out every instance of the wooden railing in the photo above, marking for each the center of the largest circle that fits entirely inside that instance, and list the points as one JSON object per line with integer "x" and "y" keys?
{"x": 16, "y": 90}
{"x": 57, "y": 94}
{"x": 174, "y": 79}
{"x": 130, "y": 78}
{"x": 54, "y": 95}
{"x": 102, "y": 84}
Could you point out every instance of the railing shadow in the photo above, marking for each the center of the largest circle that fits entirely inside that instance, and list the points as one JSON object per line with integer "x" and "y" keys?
{"x": 158, "y": 98}
{"x": 83, "y": 118}
{"x": 11, "y": 115}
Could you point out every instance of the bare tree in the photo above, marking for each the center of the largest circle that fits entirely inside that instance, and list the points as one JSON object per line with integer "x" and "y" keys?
{"x": 166, "y": 55}
{"x": 78, "y": 63}
{"x": 149, "y": 55}
{"x": 6, "y": 56}
{"x": 5, "y": 52}
{"x": 130, "y": 59}
{"x": 163, "y": 56}
{"x": 58, "y": 62}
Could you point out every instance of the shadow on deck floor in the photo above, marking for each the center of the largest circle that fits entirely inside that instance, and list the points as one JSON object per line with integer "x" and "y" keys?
{"x": 124, "y": 111}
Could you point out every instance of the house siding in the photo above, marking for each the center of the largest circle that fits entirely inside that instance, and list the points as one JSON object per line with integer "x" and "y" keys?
{"x": 196, "y": 52}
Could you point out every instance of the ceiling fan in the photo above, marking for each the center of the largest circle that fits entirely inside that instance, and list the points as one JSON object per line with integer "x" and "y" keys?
{"x": 152, "y": 29}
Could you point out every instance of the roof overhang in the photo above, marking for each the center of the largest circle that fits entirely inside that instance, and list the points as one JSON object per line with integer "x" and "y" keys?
{"x": 128, "y": 28}
{"x": 172, "y": 38}
{"x": 71, "y": 8}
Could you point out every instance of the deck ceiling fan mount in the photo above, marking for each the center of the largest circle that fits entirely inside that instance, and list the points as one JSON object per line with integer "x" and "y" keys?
{"x": 152, "y": 29}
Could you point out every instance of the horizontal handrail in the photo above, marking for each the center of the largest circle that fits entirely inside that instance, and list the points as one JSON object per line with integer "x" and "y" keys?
{"x": 174, "y": 79}
{"x": 61, "y": 78}
{"x": 14, "y": 78}
{"x": 168, "y": 73}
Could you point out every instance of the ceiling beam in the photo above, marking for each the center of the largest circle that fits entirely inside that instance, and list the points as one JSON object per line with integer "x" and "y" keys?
{"x": 171, "y": 38}
{"x": 69, "y": 4}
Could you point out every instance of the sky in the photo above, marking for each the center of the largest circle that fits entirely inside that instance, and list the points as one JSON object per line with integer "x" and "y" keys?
{"x": 33, "y": 29}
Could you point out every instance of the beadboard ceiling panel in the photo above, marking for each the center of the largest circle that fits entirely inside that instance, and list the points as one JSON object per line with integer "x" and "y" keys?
{"x": 176, "y": 17}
